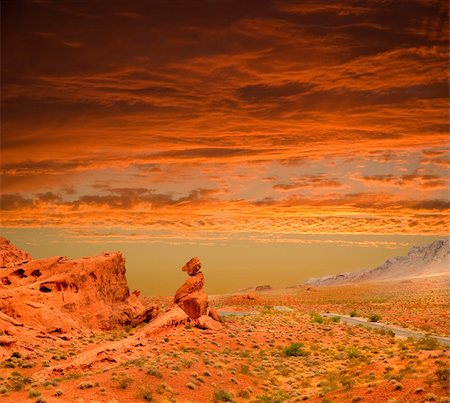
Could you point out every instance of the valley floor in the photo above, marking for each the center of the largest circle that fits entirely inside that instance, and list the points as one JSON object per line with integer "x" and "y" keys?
{"x": 273, "y": 355}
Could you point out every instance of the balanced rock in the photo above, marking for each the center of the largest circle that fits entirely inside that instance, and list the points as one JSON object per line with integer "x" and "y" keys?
{"x": 192, "y": 267}
{"x": 192, "y": 298}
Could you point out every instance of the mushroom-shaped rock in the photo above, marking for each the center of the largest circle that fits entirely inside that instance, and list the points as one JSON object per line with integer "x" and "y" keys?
{"x": 193, "y": 266}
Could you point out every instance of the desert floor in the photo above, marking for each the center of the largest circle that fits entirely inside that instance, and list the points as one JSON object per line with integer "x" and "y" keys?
{"x": 285, "y": 351}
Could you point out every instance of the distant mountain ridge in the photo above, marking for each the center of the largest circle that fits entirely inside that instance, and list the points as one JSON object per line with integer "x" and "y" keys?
{"x": 425, "y": 260}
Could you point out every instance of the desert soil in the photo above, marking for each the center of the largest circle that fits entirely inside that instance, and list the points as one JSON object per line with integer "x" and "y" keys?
{"x": 273, "y": 355}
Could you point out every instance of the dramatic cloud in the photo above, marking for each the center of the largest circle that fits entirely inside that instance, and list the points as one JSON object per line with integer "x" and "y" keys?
{"x": 228, "y": 117}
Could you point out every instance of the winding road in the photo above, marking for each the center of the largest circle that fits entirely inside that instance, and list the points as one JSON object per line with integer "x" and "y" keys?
{"x": 398, "y": 331}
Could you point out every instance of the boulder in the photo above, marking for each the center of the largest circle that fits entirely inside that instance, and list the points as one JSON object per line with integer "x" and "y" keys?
{"x": 207, "y": 322}
{"x": 191, "y": 297}
{"x": 214, "y": 314}
{"x": 192, "y": 267}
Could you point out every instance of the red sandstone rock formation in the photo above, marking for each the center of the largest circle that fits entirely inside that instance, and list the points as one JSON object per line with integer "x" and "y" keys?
{"x": 192, "y": 298}
{"x": 59, "y": 297}
{"x": 10, "y": 254}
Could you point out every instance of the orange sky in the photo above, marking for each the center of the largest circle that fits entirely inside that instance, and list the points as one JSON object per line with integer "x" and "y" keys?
{"x": 261, "y": 121}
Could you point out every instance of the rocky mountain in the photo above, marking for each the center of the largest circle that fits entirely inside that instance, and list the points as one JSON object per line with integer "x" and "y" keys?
{"x": 420, "y": 261}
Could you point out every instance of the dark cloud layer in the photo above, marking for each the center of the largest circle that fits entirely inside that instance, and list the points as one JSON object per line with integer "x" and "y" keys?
{"x": 165, "y": 100}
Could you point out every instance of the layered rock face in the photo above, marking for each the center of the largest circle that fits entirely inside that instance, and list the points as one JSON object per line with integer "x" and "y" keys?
{"x": 10, "y": 254}
{"x": 192, "y": 298}
{"x": 60, "y": 295}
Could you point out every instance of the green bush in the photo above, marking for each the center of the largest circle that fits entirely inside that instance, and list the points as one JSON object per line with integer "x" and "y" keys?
{"x": 374, "y": 317}
{"x": 335, "y": 319}
{"x": 353, "y": 352}
{"x": 295, "y": 350}
{"x": 353, "y": 314}
{"x": 223, "y": 396}
{"x": 317, "y": 319}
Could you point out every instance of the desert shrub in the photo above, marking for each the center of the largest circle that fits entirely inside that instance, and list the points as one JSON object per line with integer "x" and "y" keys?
{"x": 335, "y": 319}
{"x": 16, "y": 354}
{"x": 245, "y": 394}
{"x": 154, "y": 372}
{"x": 137, "y": 362}
{"x": 374, "y": 317}
{"x": 85, "y": 385}
{"x": 443, "y": 375}
{"x": 347, "y": 382}
{"x": 353, "y": 352}
{"x": 295, "y": 350}
{"x": 72, "y": 375}
{"x": 58, "y": 392}
{"x": 427, "y": 343}
{"x": 353, "y": 314}
{"x": 187, "y": 363}
{"x": 317, "y": 319}
{"x": 277, "y": 396}
{"x": 18, "y": 381}
{"x": 26, "y": 364}
{"x": 244, "y": 369}
{"x": 329, "y": 383}
{"x": 223, "y": 396}
{"x": 124, "y": 382}
{"x": 145, "y": 394}
{"x": 33, "y": 393}
{"x": 51, "y": 382}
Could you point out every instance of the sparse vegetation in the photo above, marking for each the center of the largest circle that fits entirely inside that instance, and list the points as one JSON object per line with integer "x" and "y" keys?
{"x": 145, "y": 394}
{"x": 295, "y": 350}
{"x": 374, "y": 317}
{"x": 427, "y": 343}
{"x": 223, "y": 396}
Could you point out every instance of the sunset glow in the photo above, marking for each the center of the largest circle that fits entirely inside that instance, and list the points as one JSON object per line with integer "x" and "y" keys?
{"x": 208, "y": 123}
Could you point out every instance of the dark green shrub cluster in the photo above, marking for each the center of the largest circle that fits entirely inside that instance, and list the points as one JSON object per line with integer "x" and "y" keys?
{"x": 295, "y": 350}
{"x": 374, "y": 317}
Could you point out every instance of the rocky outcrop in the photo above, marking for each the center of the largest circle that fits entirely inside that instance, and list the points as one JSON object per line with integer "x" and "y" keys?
{"x": 11, "y": 254}
{"x": 192, "y": 298}
{"x": 58, "y": 295}
{"x": 421, "y": 261}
